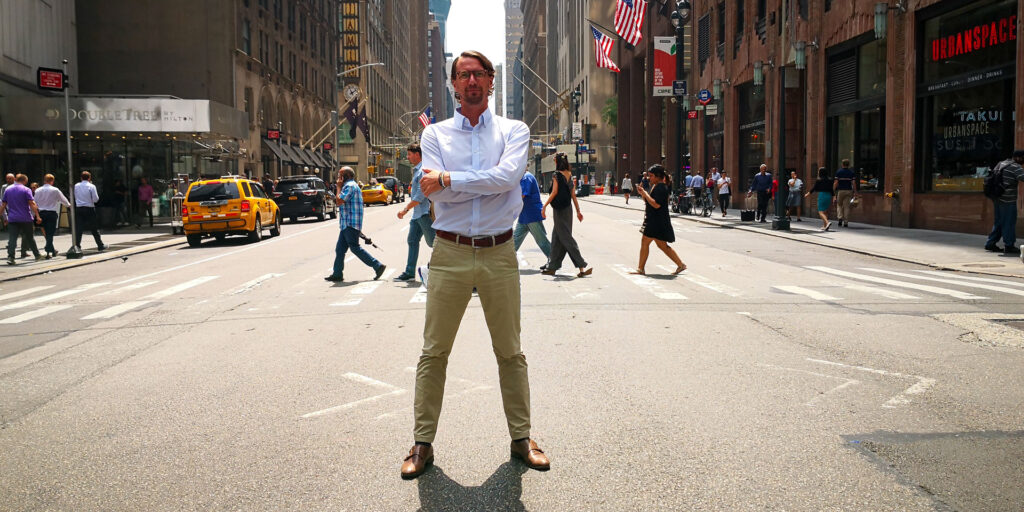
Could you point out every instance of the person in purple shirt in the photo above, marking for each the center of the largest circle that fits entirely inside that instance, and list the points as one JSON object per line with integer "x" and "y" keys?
{"x": 530, "y": 219}
{"x": 21, "y": 211}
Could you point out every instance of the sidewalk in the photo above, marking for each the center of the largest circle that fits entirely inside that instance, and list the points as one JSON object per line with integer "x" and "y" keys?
{"x": 939, "y": 249}
{"x": 121, "y": 242}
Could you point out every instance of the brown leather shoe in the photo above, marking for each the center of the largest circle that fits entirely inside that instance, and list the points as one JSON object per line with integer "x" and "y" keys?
{"x": 416, "y": 463}
{"x": 527, "y": 451}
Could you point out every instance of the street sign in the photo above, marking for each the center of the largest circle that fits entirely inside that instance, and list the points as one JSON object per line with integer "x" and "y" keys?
{"x": 274, "y": 134}
{"x": 711, "y": 110}
{"x": 577, "y": 130}
{"x": 328, "y": 146}
{"x": 679, "y": 88}
{"x": 698, "y": 107}
{"x": 50, "y": 79}
{"x": 704, "y": 96}
{"x": 591, "y": 151}
{"x": 691, "y": 114}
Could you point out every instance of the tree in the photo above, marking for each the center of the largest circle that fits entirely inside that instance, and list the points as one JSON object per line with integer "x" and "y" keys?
{"x": 610, "y": 112}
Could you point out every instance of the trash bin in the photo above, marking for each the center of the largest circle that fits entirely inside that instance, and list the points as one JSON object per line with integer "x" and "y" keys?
{"x": 177, "y": 222}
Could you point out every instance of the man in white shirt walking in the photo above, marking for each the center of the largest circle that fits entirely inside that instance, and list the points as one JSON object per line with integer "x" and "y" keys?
{"x": 472, "y": 167}
{"x": 85, "y": 211}
{"x": 49, "y": 200}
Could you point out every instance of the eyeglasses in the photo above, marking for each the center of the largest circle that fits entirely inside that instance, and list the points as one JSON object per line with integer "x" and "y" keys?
{"x": 479, "y": 74}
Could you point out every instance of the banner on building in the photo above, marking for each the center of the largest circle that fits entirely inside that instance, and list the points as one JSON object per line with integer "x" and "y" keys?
{"x": 664, "y": 65}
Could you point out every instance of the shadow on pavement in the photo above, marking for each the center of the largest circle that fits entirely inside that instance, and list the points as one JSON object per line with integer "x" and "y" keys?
{"x": 502, "y": 491}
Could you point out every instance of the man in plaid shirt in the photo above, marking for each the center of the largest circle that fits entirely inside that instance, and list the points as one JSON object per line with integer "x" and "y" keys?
{"x": 350, "y": 220}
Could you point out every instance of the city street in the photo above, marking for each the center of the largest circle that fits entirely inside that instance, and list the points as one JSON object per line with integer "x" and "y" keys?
{"x": 771, "y": 375}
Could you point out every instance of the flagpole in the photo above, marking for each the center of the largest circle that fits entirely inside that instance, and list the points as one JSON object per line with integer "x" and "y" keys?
{"x": 606, "y": 29}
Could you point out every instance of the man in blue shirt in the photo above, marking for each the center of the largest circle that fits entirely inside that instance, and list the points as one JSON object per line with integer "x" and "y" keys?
{"x": 350, "y": 220}
{"x": 530, "y": 219}
{"x": 421, "y": 225}
{"x": 762, "y": 184}
{"x": 844, "y": 188}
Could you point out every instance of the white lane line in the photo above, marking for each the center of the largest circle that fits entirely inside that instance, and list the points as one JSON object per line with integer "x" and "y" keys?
{"x": 33, "y": 314}
{"x": 264, "y": 243}
{"x": 889, "y": 294}
{"x": 420, "y": 297}
{"x": 113, "y": 311}
{"x": 705, "y": 282}
{"x": 846, "y": 382}
{"x": 647, "y": 284}
{"x": 53, "y": 296}
{"x": 522, "y": 260}
{"x": 405, "y": 228}
{"x": 900, "y": 284}
{"x": 254, "y": 283}
{"x": 21, "y": 293}
{"x": 368, "y": 287}
{"x": 162, "y": 294}
{"x": 970, "y": 278}
{"x": 797, "y": 290}
{"x": 363, "y": 379}
{"x": 357, "y": 403}
{"x": 349, "y": 302}
{"x": 130, "y": 287}
{"x": 953, "y": 282}
{"x": 923, "y": 383}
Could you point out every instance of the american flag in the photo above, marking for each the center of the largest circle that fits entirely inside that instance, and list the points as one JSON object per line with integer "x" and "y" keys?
{"x": 425, "y": 117}
{"x": 603, "y": 49}
{"x": 629, "y": 18}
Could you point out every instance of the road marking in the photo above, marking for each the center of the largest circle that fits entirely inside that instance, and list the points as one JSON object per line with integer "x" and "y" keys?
{"x": 162, "y": 294}
{"x": 847, "y": 382}
{"x": 522, "y": 260}
{"x": 368, "y": 287}
{"x": 797, "y": 290}
{"x": 125, "y": 307}
{"x": 133, "y": 286}
{"x": 113, "y": 311}
{"x": 954, "y": 282}
{"x": 705, "y": 282}
{"x": 647, "y": 284}
{"x": 361, "y": 379}
{"x": 53, "y": 296}
{"x": 350, "y": 258}
{"x": 900, "y": 284}
{"x": 889, "y": 294}
{"x": 970, "y": 278}
{"x": 21, "y": 293}
{"x": 349, "y": 302}
{"x": 923, "y": 383}
{"x": 405, "y": 228}
{"x": 254, "y": 283}
{"x": 420, "y": 297}
{"x": 33, "y": 314}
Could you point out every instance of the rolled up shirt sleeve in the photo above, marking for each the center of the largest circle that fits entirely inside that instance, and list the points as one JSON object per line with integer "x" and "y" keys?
{"x": 503, "y": 177}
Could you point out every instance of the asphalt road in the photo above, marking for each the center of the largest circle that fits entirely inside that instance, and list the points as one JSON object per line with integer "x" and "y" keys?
{"x": 770, "y": 375}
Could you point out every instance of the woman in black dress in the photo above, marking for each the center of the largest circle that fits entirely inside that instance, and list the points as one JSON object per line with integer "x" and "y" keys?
{"x": 657, "y": 226}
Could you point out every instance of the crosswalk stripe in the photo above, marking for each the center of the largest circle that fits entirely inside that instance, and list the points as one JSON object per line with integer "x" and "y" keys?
{"x": 647, "y": 284}
{"x": 420, "y": 297}
{"x": 705, "y": 282}
{"x": 254, "y": 283}
{"x": 162, "y": 294}
{"x": 368, "y": 287}
{"x": 34, "y": 314}
{"x": 971, "y": 278}
{"x": 797, "y": 290}
{"x": 349, "y": 302}
{"x": 119, "y": 309}
{"x": 981, "y": 286}
{"x": 522, "y": 260}
{"x": 900, "y": 284}
{"x": 889, "y": 294}
{"x": 130, "y": 287}
{"x": 53, "y": 296}
{"x": 26, "y": 291}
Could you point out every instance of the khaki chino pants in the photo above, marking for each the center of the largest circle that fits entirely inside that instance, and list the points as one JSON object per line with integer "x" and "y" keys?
{"x": 843, "y": 204}
{"x": 454, "y": 271}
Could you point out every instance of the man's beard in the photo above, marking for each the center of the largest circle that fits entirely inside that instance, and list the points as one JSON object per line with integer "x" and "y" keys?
{"x": 474, "y": 97}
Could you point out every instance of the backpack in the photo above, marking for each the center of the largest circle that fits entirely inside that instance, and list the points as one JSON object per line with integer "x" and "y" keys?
{"x": 994, "y": 187}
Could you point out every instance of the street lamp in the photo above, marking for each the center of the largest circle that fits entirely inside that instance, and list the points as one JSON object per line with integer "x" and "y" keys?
{"x": 576, "y": 95}
{"x": 680, "y": 17}
{"x": 347, "y": 71}
{"x": 882, "y": 12}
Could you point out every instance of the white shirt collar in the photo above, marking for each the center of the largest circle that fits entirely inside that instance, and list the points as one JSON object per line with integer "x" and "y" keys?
{"x": 463, "y": 122}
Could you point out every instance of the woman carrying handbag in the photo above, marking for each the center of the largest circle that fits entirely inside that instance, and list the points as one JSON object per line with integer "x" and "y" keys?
{"x": 562, "y": 199}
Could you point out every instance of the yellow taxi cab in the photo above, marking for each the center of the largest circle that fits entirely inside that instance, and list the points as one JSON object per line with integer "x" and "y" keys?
{"x": 376, "y": 193}
{"x": 229, "y": 205}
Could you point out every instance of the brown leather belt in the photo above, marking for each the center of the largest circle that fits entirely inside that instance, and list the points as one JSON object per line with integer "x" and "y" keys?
{"x": 479, "y": 241}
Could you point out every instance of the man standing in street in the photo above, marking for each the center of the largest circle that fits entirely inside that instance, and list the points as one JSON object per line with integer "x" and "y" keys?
{"x": 268, "y": 185}
{"x": 8, "y": 181}
{"x": 421, "y": 225}
{"x": 845, "y": 188}
{"x": 1005, "y": 206}
{"x": 350, "y": 220}
{"x": 85, "y": 211}
{"x": 473, "y": 164}
{"x": 49, "y": 200}
{"x": 530, "y": 219}
{"x": 21, "y": 210}
{"x": 762, "y": 184}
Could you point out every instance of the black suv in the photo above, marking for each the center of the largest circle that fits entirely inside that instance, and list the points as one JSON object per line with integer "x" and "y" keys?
{"x": 396, "y": 187}
{"x": 304, "y": 196}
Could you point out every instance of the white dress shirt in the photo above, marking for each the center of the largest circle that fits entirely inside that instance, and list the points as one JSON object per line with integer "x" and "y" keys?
{"x": 85, "y": 194}
{"x": 49, "y": 198}
{"x": 486, "y": 163}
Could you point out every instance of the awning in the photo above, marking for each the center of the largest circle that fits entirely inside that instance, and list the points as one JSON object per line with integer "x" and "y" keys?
{"x": 321, "y": 161}
{"x": 314, "y": 161}
{"x": 275, "y": 148}
{"x": 294, "y": 154}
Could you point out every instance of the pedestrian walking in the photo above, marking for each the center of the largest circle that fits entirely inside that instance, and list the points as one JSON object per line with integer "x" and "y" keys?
{"x": 627, "y": 187}
{"x": 657, "y": 226}
{"x": 49, "y": 199}
{"x": 645, "y": 182}
{"x": 1005, "y": 205}
{"x": 712, "y": 182}
{"x": 21, "y": 210}
{"x": 698, "y": 186}
{"x": 823, "y": 187}
{"x": 420, "y": 225}
{"x": 472, "y": 165}
{"x": 762, "y": 185}
{"x": 350, "y": 221}
{"x": 844, "y": 188}
{"x": 724, "y": 191}
{"x": 85, "y": 211}
{"x": 562, "y": 199}
{"x": 795, "y": 197}
{"x": 530, "y": 219}
{"x": 268, "y": 184}
{"x": 145, "y": 197}
{"x": 8, "y": 181}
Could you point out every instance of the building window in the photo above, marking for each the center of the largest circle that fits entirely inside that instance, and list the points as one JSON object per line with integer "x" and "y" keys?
{"x": 704, "y": 40}
{"x": 277, "y": 10}
{"x": 249, "y": 107}
{"x": 828, "y": 5}
{"x": 291, "y": 15}
{"x": 751, "y": 105}
{"x": 302, "y": 29}
{"x": 246, "y": 38}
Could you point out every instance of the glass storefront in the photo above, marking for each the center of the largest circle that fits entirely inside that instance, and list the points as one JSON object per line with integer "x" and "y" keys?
{"x": 965, "y": 97}
{"x": 714, "y": 138}
{"x": 751, "y": 131}
{"x": 855, "y": 127}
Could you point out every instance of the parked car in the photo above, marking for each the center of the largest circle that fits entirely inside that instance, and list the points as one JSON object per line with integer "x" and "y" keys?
{"x": 377, "y": 193}
{"x": 304, "y": 196}
{"x": 229, "y": 205}
{"x": 391, "y": 183}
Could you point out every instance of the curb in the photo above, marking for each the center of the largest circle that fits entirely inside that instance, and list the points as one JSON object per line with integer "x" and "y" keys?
{"x": 105, "y": 256}
{"x": 820, "y": 243}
